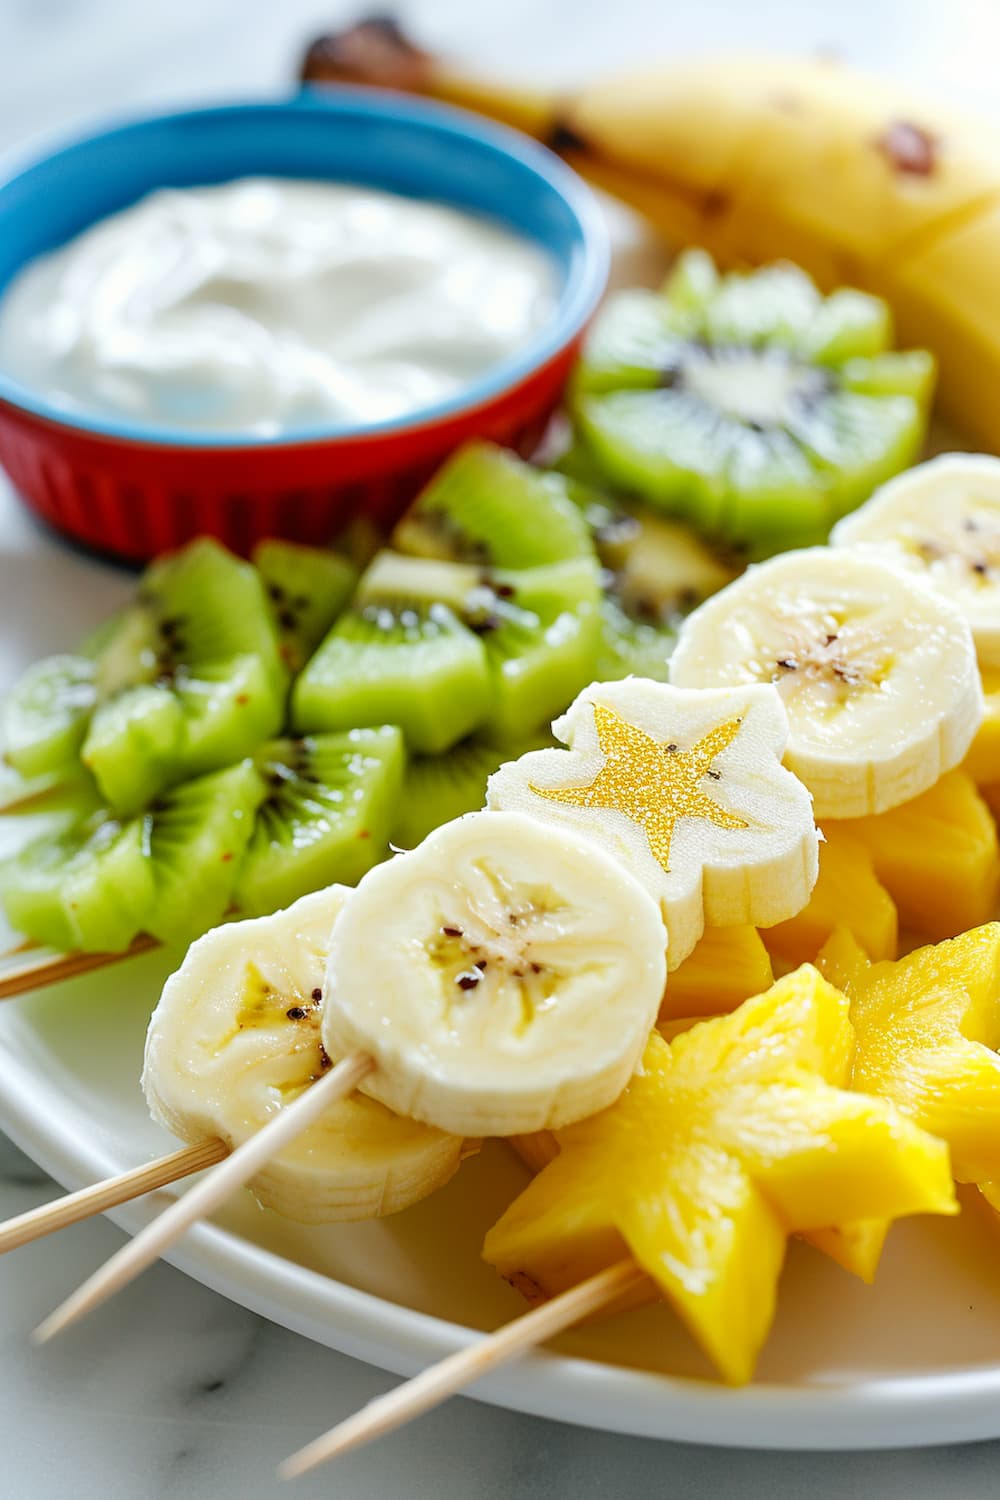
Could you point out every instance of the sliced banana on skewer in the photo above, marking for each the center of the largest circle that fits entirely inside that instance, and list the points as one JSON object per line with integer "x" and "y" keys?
{"x": 687, "y": 790}
{"x": 236, "y": 1037}
{"x": 942, "y": 519}
{"x": 503, "y": 976}
{"x": 877, "y": 672}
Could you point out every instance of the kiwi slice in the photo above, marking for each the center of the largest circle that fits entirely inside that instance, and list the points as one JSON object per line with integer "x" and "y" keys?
{"x": 95, "y": 885}
{"x": 86, "y": 888}
{"x": 189, "y": 681}
{"x": 306, "y": 587}
{"x": 326, "y": 815}
{"x": 487, "y": 507}
{"x": 542, "y": 630}
{"x": 437, "y": 788}
{"x": 748, "y": 403}
{"x": 539, "y": 628}
{"x": 45, "y": 717}
{"x": 396, "y": 660}
{"x": 655, "y": 571}
{"x": 134, "y": 742}
{"x": 197, "y": 835}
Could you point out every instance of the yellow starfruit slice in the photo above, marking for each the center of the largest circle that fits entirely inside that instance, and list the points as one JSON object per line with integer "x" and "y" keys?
{"x": 727, "y": 1140}
{"x": 926, "y": 1032}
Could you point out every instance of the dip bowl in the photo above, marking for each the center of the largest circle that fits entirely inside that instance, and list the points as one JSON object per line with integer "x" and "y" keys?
{"x": 132, "y": 490}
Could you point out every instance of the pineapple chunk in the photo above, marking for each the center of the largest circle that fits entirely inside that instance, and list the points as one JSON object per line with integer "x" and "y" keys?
{"x": 541, "y": 1147}
{"x": 727, "y": 1140}
{"x": 728, "y": 965}
{"x": 926, "y": 1031}
{"x": 982, "y": 762}
{"x": 937, "y": 856}
{"x": 847, "y": 893}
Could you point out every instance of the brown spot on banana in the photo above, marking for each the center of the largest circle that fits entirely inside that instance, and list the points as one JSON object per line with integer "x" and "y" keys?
{"x": 375, "y": 51}
{"x": 909, "y": 148}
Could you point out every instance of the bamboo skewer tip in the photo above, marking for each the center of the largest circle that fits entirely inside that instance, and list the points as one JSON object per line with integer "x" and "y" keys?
{"x": 452, "y": 1375}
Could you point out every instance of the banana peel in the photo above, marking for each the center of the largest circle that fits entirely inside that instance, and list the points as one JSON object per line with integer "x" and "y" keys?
{"x": 854, "y": 178}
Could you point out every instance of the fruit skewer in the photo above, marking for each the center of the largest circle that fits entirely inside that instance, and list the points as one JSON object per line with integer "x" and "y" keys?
{"x": 924, "y": 1034}
{"x": 248, "y": 993}
{"x": 757, "y": 848}
{"x": 618, "y": 768}
{"x": 785, "y": 852}
{"x": 633, "y": 781}
{"x": 525, "y": 978}
{"x": 699, "y": 1174}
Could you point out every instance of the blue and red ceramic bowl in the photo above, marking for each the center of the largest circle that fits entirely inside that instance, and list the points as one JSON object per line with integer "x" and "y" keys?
{"x": 133, "y": 491}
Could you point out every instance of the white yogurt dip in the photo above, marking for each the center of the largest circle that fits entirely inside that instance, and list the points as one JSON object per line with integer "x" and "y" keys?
{"x": 265, "y": 305}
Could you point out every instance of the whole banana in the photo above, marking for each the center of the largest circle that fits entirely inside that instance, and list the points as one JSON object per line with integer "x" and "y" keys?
{"x": 854, "y": 178}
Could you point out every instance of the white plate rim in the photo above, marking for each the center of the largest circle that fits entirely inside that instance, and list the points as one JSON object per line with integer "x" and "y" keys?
{"x": 918, "y": 1411}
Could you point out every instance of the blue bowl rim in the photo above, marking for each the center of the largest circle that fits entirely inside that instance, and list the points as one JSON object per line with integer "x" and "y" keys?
{"x": 577, "y": 300}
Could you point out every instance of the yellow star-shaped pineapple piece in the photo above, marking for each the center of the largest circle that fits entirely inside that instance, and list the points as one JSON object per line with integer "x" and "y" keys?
{"x": 926, "y": 1032}
{"x": 727, "y": 1140}
{"x": 686, "y": 788}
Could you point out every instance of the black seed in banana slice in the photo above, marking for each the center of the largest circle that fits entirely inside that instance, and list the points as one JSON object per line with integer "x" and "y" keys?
{"x": 686, "y": 789}
{"x": 504, "y": 976}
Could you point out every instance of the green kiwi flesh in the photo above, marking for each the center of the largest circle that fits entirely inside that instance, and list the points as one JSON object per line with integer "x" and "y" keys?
{"x": 197, "y": 836}
{"x": 88, "y": 888}
{"x": 326, "y": 816}
{"x": 97, "y": 882}
{"x": 438, "y": 788}
{"x": 307, "y": 588}
{"x": 748, "y": 404}
{"x": 490, "y": 508}
{"x": 654, "y": 572}
{"x": 539, "y": 628}
{"x": 190, "y": 680}
{"x": 45, "y": 717}
{"x": 396, "y": 660}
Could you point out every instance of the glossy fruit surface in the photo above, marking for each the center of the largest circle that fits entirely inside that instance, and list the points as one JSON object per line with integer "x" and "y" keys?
{"x": 727, "y": 1139}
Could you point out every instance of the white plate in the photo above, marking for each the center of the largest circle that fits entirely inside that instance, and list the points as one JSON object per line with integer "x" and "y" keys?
{"x": 915, "y": 1360}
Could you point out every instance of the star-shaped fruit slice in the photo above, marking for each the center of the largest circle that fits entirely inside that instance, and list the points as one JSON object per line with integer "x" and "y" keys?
{"x": 726, "y": 1141}
{"x": 685, "y": 787}
{"x": 926, "y": 1032}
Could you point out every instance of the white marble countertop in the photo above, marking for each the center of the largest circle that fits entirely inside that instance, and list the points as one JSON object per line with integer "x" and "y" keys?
{"x": 175, "y": 1392}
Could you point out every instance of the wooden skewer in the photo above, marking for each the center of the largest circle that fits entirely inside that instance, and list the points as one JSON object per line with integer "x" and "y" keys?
{"x": 101, "y": 1196}
{"x": 451, "y": 1375}
{"x": 41, "y": 968}
{"x": 245, "y": 1162}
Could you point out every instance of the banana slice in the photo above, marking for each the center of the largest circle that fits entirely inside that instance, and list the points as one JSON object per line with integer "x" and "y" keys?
{"x": 687, "y": 790}
{"x": 942, "y": 519}
{"x": 236, "y": 1036}
{"x": 878, "y": 672}
{"x": 503, "y": 975}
